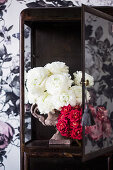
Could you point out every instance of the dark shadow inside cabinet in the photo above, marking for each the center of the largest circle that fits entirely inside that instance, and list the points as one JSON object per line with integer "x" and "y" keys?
{"x": 68, "y": 164}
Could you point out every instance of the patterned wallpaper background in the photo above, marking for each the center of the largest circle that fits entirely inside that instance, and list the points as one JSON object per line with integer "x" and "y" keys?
{"x": 9, "y": 72}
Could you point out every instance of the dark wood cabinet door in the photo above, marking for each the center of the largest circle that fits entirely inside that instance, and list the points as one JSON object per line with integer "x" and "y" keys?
{"x": 98, "y": 62}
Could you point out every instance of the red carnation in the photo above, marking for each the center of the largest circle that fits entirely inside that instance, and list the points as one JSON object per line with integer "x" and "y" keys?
{"x": 75, "y": 115}
{"x": 74, "y": 124}
{"x": 63, "y": 127}
{"x": 66, "y": 109}
{"x": 76, "y": 133}
{"x": 62, "y": 116}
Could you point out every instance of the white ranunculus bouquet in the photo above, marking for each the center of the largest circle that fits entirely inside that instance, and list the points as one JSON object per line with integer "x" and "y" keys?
{"x": 51, "y": 87}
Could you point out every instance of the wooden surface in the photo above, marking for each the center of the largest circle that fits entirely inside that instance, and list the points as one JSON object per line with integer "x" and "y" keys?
{"x": 43, "y": 149}
{"x": 68, "y": 164}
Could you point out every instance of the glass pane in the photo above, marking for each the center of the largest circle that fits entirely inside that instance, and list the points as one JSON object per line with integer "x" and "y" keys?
{"x": 27, "y": 65}
{"x": 99, "y": 64}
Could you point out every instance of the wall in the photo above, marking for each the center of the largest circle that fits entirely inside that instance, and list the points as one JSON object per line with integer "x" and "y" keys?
{"x": 9, "y": 72}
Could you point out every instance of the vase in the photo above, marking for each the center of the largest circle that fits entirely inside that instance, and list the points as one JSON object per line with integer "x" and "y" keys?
{"x": 58, "y": 139}
{"x": 51, "y": 120}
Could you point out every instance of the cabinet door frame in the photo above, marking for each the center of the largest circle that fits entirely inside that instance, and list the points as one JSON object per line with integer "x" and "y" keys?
{"x": 102, "y": 15}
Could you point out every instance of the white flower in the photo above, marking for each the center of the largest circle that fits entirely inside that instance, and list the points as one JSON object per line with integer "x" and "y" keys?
{"x": 64, "y": 99}
{"x": 78, "y": 93}
{"x": 36, "y": 79}
{"x": 45, "y": 104}
{"x": 57, "y": 67}
{"x": 58, "y": 83}
{"x": 32, "y": 98}
{"x": 78, "y": 77}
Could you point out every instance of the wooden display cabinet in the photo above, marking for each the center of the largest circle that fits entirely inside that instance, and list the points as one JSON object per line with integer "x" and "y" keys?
{"x": 82, "y": 38}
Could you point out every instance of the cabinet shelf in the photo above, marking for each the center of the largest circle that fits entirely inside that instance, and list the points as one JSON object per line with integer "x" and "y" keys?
{"x": 42, "y": 148}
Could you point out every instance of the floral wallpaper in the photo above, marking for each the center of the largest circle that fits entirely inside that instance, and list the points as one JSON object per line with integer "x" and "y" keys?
{"x": 99, "y": 63}
{"x": 9, "y": 72}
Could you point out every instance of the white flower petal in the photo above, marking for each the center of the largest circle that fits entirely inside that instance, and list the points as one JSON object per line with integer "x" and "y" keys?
{"x": 57, "y": 67}
{"x": 32, "y": 98}
{"x": 78, "y": 93}
{"x": 45, "y": 103}
{"x": 36, "y": 79}
{"x": 58, "y": 83}
{"x": 64, "y": 99}
{"x": 78, "y": 77}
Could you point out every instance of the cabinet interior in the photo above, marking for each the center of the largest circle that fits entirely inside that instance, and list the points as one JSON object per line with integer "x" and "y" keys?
{"x": 54, "y": 41}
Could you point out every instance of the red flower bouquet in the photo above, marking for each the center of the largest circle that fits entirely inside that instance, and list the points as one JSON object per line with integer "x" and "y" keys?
{"x": 69, "y": 122}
